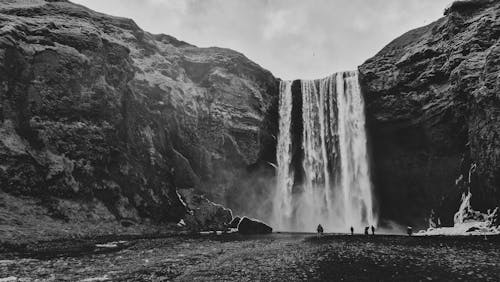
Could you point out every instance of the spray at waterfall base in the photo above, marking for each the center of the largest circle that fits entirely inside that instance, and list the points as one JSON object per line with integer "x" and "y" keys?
{"x": 323, "y": 174}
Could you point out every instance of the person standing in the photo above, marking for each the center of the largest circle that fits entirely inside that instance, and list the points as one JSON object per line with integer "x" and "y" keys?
{"x": 373, "y": 230}
{"x": 409, "y": 230}
{"x": 352, "y": 230}
{"x": 319, "y": 230}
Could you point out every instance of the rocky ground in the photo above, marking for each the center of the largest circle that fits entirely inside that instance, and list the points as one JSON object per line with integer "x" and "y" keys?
{"x": 283, "y": 257}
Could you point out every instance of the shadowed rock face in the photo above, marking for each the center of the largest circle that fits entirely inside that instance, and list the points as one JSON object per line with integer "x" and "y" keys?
{"x": 92, "y": 107}
{"x": 249, "y": 226}
{"x": 433, "y": 110}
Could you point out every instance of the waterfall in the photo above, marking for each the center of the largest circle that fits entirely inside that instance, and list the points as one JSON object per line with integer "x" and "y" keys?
{"x": 282, "y": 207}
{"x": 353, "y": 152}
{"x": 332, "y": 185}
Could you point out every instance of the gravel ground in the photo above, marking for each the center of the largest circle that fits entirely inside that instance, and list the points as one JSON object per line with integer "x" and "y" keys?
{"x": 277, "y": 257}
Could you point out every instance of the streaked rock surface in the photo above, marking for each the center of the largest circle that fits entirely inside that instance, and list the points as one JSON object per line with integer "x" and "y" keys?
{"x": 433, "y": 109}
{"x": 98, "y": 112}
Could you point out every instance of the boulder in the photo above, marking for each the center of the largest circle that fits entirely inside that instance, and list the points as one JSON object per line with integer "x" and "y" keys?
{"x": 234, "y": 223}
{"x": 249, "y": 226}
{"x": 473, "y": 229}
{"x": 204, "y": 215}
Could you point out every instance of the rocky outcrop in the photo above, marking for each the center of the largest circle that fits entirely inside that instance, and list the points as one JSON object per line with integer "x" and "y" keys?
{"x": 433, "y": 112}
{"x": 462, "y": 6}
{"x": 249, "y": 226}
{"x": 203, "y": 214}
{"x": 92, "y": 108}
{"x": 234, "y": 222}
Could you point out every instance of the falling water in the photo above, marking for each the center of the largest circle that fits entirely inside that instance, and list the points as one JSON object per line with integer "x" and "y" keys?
{"x": 356, "y": 183}
{"x": 282, "y": 208}
{"x": 335, "y": 189}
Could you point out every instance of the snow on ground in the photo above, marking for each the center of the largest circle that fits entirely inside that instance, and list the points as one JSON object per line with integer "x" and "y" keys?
{"x": 467, "y": 222}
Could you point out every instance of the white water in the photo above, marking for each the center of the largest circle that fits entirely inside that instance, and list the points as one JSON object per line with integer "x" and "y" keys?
{"x": 282, "y": 205}
{"x": 353, "y": 152}
{"x": 336, "y": 190}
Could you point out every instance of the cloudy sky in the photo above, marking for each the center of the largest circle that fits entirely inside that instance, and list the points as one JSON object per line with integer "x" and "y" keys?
{"x": 291, "y": 38}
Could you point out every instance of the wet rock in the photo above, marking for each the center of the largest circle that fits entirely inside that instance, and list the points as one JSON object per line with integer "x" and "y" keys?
{"x": 234, "y": 223}
{"x": 249, "y": 226}
{"x": 494, "y": 218}
{"x": 472, "y": 229}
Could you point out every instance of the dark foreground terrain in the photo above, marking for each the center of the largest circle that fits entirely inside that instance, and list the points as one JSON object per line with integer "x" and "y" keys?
{"x": 284, "y": 257}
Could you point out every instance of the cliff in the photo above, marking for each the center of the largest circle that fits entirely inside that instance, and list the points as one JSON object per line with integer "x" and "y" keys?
{"x": 433, "y": 110}
{"x": 102, "y": 122}
{"x": 105, "y": 128}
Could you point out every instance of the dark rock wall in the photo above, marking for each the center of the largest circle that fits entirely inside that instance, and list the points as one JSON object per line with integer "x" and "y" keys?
{"x": 93, "y": 107}
{"x": 297, "y": 128}
{"x": 433, "y": 110}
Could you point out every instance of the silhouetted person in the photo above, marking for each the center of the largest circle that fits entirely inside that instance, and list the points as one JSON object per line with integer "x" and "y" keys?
{"x": 352, "y": 230}
{"x": 373, "y": 230}
{"x": 409, "y": 230}
{"x": 320, "y": 230}
{"x": 366, "y": 230}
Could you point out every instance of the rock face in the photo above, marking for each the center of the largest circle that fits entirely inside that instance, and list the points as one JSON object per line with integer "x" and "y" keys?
{"x": 433, "y": 110}
{"x": 92, "y": 108}
{"x": 252, "y": 227}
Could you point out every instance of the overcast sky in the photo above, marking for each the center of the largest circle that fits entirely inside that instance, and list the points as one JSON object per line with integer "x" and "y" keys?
{"x": 291, "y": 38}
